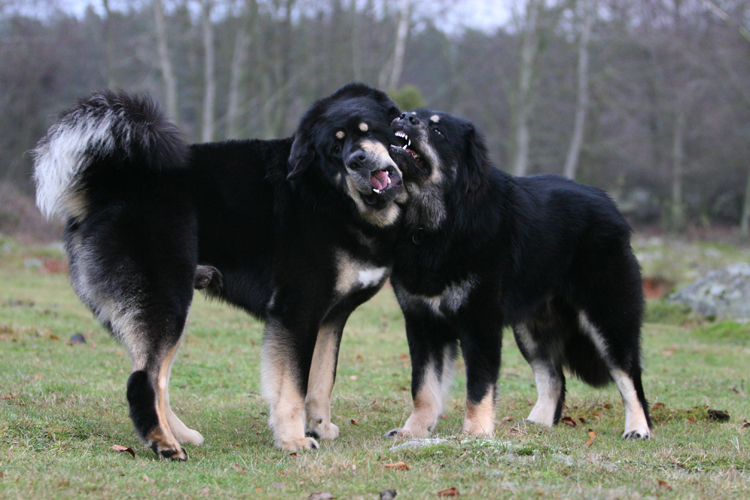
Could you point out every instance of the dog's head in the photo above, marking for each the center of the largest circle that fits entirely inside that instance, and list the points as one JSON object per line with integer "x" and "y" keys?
{"x": 439, "y": 148}
{"x": 347, "y": 136}
{"x": 440, "y": 156}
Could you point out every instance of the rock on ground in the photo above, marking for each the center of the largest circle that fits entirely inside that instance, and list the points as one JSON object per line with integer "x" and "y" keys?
{"x": 722, "y": 294}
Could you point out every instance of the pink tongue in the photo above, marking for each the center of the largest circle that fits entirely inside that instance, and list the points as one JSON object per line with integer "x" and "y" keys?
{"x": 379, "y": 180}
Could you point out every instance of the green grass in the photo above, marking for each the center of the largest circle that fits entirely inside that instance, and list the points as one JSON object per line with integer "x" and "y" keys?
{"x": 64, "y": 407}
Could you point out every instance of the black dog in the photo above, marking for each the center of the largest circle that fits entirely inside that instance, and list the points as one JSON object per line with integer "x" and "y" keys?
{"x": 297, "y": 231}
{"x": 483, "y": 249}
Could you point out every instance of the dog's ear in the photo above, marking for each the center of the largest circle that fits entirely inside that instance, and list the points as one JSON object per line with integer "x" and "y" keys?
{"x": 476, "y": 162}
{"x": 301, "y": 156}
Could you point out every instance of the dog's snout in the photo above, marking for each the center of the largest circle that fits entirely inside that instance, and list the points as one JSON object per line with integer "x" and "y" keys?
{"x": 411, "y": 117}
{"x": 357, "y": 159}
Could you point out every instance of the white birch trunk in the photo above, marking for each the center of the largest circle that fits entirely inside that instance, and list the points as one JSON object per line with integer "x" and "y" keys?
{"x": 588, "y": 8}
{"x": 209, "y": 80}
{"x": 529, "y": 50}
{"x": 399, "y": 51}
{"x": 165, "y": 63}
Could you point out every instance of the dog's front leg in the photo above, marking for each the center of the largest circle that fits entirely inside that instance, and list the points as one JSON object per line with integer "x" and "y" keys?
{"x": 322, "y": 377}
{"x": 285, "y": 364}
{"x": 433, "y": 349}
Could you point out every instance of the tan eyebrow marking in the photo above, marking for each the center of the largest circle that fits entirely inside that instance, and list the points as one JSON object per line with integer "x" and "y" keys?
{"x": 435, "y": 119}
{"x": 340, "y": 134}
{"x": 363, "y": 127}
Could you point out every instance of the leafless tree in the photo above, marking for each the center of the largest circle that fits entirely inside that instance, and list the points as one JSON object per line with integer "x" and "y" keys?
{"x": 165, "y": 62}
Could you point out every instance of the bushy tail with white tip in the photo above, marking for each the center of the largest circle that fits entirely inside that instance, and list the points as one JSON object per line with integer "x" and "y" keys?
{"x": 107, "y": 130}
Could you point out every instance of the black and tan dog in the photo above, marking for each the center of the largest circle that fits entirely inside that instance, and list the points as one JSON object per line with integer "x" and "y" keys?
{"x": 482, "y": 249}
{"x": 297, "y": 231}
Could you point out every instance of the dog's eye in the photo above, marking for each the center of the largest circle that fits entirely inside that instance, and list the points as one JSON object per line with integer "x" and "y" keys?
{"x": 437, "y": 131}
{"x": 336, "y": 149}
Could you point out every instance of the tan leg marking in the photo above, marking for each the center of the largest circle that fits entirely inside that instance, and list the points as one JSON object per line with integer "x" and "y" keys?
{"x": 479, "y": 419}
{"x": 280, "y": 390}
{"x": 320, "y": 385}
{"x": 428, "y": 403}
{"x": 161, "y": 439}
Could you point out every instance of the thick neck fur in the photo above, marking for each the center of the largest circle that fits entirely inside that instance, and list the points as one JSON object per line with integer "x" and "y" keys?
{"x": 426, "y": 207}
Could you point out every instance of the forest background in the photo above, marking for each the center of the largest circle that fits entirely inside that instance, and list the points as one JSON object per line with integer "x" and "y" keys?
{"x": 648, "y": 99}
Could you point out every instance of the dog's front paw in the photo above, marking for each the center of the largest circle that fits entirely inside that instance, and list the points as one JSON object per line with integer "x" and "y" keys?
{"x": 637, "y": 434}
{"x": 323, "y": 431}
{"x": 176, "y": 453}
{"x": 403, "y": 433}
{"x": 307, "y": 443}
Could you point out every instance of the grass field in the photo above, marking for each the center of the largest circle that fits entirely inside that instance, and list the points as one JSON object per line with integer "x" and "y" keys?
{"x": 63, "y": 407}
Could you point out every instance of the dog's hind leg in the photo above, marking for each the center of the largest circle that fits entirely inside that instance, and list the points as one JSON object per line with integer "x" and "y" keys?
{"x": 322, "y": 377}
{"x": 433, "y": 348}
{"x": 543, "y": 357}
{"x": 620, "y": 350}
{"x": 148, "y": 389}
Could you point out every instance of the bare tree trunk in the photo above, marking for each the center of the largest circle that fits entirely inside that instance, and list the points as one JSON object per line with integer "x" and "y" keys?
{"x": 170, "y": 82}
{"x": 677, "y": 209}
{"x": 588, "y": 7}
{"x": 209, "y": 79}
{"x": 400, "y": 49}
{"x": 745, "y": 218}
{"x": 111, "y": 80}
{"x": 529, "y": 49}
{"x": 242, "y": 43}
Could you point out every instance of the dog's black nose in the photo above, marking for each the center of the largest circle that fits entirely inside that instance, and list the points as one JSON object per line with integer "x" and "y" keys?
{"x": 356, "y": 159}
{"x": 411, "y": 117}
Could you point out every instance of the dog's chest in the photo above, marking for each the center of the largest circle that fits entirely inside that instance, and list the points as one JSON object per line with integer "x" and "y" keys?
{"x": 449, "y": 301}
{"x": 354, "y": 274}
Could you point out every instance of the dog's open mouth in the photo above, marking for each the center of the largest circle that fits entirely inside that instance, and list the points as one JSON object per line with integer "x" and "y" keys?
{"x": 382, "y": 182}
{"x": 408, "y": 148}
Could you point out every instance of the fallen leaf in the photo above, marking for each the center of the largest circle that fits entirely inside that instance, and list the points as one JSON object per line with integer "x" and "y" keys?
{"x": 506, "y": 419}
{"x": 589, "y": 442}
{"x": 450, "y": 492}
{"x": 10, "y": 395}
{"x": 721, "y": 416}
{"x": 608, "y": 406}
{"x": 282, "y": 472}
{"x": 403, "y": 356}
{"x": 582, "y": 420}
{"x": 37, "y": 376}
{"x": 569, "y": 421}
{"x": 354, "y": 422}
{"x": 657, "y": 406}
{"x": 691, "y": 420}
{"x": 54, "y": 337}
{"x": 665, "y": 484}
{"x": 239, "y": 469}
{"x": 592, "y": 433}
{"x": 388, "y": 494}
{"x": 358, "y": 358}
{"x": 121, "y": 448}
{"x": 398, "y": 466}
{"x": 293, "y": 454}
{"x": 323, "y": 495}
